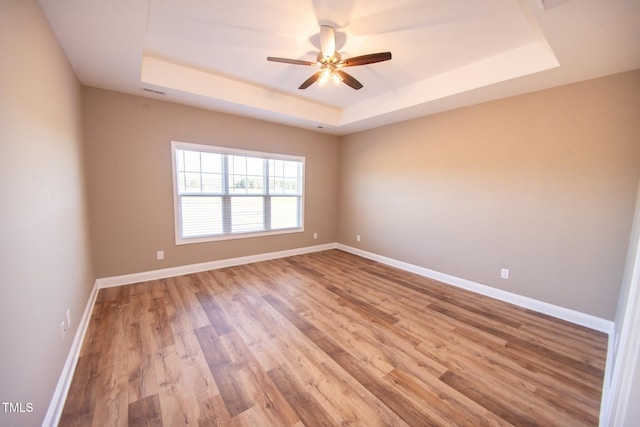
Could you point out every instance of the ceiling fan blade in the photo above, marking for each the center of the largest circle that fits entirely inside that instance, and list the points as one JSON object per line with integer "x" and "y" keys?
{"x": 365, "y": 59}
{"x": 311, "y": 80}
{"x": 349, "y": 80}
{"x": 291, "y": 61}
{"x": 327, "y": 41}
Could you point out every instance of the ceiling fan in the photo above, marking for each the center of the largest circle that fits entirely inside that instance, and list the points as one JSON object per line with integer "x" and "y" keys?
{"x": 330, "y": 62}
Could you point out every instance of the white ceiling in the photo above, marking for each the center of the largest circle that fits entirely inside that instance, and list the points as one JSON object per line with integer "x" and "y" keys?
{"x": 446, "y": 53}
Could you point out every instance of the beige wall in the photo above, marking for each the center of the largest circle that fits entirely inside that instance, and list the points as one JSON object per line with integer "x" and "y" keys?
{"x": 543, "y": 184}
{"x": 128, "y": 159}
{"x": 45, "y": 265}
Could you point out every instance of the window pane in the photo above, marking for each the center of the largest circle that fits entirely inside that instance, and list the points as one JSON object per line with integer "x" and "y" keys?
{"x": 285, "y": 177}
{"x": 211, "y": 183}
{"x": 285, "y": 212}
{"x": 277, "y": 167}
{"x": 192, "y": 161}
{"x": 192, "y": 182}
{"x": 255, "y": 184}
{"x": 180, "y": 160}
{"x": 291, "y": 186}
{"x": 246, "y": 175}
{"x": 255, "y": 166}
{"x": 290, "y": 169}
{"x": 275, "y": 185}
{"x": 201, "y": 216}
{"x": 247, "y": 214}
{"x": 238, "y": 165}
{"x": 211, "y": 162}
{"x": 182, "y": 186}
{"x": 238, "y": 184}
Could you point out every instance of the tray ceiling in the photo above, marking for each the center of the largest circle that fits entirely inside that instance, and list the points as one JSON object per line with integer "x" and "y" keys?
{"x": 446, "y": 53}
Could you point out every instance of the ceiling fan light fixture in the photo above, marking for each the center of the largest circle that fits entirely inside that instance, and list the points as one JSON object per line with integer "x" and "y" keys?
{"x": 331, "y": 63}
{"x": 327, "y": 75}
{"x": 324, "y": 77}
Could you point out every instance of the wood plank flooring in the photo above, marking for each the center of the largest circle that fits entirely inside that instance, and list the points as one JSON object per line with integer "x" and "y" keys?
{"x": 328, "y": 339}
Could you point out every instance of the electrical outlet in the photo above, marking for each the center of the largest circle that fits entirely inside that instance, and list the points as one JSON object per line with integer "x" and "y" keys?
{"x": 68, "y": 318}
{"x": 504, "y": 273}
{"x": 357, "y": 237}
{"x": 160, "y": 255}
{"x": 315, "y": 236}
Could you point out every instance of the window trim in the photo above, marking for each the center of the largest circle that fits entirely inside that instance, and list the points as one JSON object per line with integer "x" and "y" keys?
{"x": 177, "y": 217}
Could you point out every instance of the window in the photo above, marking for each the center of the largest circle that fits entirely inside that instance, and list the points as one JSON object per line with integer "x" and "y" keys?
{"x": 223, "y": 193}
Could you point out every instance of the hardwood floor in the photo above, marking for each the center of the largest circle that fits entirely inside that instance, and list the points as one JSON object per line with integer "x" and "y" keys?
{"x": 328, "y": 339}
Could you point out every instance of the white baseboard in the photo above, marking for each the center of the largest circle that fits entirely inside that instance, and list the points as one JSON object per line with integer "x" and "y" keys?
{"x": 567, "y": 314}
{"x": 57, "y": 403}
{"x": 573, "y": 316}
{"x": 128, "y": 279}
{"x": 54, "y": 412}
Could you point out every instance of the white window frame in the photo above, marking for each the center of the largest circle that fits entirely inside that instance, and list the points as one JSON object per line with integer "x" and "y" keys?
{"x": 180, "y": 240}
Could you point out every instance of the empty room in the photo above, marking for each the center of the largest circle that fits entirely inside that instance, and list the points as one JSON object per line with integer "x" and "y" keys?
{"x": 320, "y": 212}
